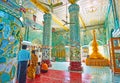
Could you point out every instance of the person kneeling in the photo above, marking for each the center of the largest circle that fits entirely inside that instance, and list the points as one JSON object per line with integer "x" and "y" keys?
{"x": 44, "y": 67}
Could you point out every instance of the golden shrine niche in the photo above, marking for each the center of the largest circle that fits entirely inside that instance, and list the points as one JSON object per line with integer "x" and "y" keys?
{"x": 96, "y": 59}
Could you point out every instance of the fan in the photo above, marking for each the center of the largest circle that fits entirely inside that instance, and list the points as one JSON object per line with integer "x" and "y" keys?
{"x": 34, "y": 28}
{"x": 51, "y": 5}
{"x": 66, "y": 21}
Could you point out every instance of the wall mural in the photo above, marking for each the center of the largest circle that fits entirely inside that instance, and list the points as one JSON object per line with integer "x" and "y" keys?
{"x": 35, "y": 36}
{"x": 33, "y": 32}
{"x": 86, "y": 37}
{"x": 9, "y": 46}
{"x": 60, "y": 39}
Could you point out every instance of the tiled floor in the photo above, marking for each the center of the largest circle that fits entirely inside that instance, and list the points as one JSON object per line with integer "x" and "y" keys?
{"x": 58, "y": 73}
{"x": 57, "y": 76}
{"x": 60, "y": 66}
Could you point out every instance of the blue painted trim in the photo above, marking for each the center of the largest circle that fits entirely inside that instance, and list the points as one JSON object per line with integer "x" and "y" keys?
{"x": 115, "y": 15}
{"x": 14, "y": 4}
{"x": 107, "y": 14}
{"x": 14, "y": 16}
{"x": 7, "y": 7}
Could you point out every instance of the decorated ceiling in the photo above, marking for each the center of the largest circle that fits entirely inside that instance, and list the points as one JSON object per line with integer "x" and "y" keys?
{"x": 19, "y": 17}
{"x": 93, "y": 14}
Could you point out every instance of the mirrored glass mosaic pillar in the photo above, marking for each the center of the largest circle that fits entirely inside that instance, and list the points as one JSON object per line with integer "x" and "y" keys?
{"x": 75, "y": 58}
{"x": 47, "y": 36}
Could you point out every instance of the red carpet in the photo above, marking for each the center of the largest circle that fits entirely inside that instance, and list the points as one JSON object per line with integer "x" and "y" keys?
{"x": 57, "y": 76}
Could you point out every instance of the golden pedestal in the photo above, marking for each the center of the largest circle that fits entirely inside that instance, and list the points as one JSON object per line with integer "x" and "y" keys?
{"x": 96, "y": 59}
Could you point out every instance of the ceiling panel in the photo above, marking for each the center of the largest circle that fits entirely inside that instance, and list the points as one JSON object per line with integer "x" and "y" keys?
{"x": 92, "y": 11}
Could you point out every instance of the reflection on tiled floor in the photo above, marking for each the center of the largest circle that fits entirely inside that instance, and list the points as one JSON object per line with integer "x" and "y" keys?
{"x": 57, "y": 76}
{"x": 116, "y": 78}
{"x": 60, "y": 66}
{"x": 89, "y": 75}
{"x": 99, "y": 74}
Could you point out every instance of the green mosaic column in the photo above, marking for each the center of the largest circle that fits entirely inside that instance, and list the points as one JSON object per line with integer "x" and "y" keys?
{"x": 75, "y": 60}
{"x": 47, "y": 36}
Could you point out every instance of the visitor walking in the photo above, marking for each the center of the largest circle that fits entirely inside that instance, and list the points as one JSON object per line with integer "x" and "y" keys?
{"x": 23, "y": 58}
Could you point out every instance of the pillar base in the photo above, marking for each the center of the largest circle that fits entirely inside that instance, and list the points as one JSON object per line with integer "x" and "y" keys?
{"x": 48, "y": 62}
{"x": 75, "y": 66}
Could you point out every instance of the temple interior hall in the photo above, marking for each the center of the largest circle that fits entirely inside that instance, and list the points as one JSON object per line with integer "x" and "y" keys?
{"x": 59, "y": 41}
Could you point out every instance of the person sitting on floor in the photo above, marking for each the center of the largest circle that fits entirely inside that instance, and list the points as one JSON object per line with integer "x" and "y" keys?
{"x": 38, "y": 70}
{"x": 44, "y": 67}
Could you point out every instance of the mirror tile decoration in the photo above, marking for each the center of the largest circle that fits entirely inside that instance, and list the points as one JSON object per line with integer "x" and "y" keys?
{"x": 9, "y": 46}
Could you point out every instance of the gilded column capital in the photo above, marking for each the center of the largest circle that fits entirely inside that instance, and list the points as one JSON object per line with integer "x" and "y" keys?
{"x": 72, "y": 1}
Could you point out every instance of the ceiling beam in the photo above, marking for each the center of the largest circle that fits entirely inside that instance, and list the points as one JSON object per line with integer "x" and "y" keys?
{"x": 60, "y": 23}
{"x": 94, "y": 27}
{"x": 46, "y": 10}
{"x": 40, "y": 6}
{"x": 82, "y": 22}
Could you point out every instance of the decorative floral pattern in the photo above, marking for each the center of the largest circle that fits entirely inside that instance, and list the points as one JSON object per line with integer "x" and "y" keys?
{"x": 6, "y": 31}
{"x": 0, "y": 35}
{"x": 1, "y": 26}
{"x": 1, "y": 52}
{"x": 4, "y": 43}
{"x": 46, "y": 53}
{"x": 9, "y": 40}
